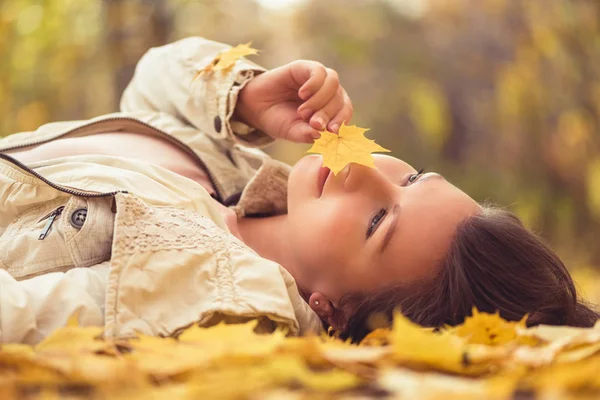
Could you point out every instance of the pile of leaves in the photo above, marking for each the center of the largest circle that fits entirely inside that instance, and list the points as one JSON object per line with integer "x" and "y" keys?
{"x": 485, "y": 357}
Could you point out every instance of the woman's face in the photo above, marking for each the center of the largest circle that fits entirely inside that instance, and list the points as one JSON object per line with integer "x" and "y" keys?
{"x": 368, "y": 228}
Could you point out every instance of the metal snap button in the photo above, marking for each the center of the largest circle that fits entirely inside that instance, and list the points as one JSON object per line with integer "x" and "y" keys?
{"x": 218, "y": 124}
{"x": 78, "y": 217}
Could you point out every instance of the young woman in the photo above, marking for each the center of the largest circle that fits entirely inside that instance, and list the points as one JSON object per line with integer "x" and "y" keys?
{"x": 163, "y": 215}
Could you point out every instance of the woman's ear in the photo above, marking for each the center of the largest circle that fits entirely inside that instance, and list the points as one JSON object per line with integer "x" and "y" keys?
{"x": 324, "y": 308}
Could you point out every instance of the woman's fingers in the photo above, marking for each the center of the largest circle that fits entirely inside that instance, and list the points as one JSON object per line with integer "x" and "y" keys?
{"x": 301, "y": 132}
{"x": 320, "y": 99}
{"x": 320, "y": 119}
{"x": 344, "y": 114}
{"x": 309, "y": 75}
{"x": 329, "y": 106}
{"x": 326, "y": 103}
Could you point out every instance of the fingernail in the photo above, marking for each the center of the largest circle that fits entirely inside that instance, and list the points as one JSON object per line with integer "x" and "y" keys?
{"x": 335, "y": 127}
{"x": 315, "y": 135}
{"x": 305, "y": 114}
{"x": 303, "y": 94}
{"x": 320, "y": 122}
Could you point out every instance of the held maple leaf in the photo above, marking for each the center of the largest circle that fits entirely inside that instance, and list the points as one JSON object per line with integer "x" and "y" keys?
{"x": 349, "y": 146}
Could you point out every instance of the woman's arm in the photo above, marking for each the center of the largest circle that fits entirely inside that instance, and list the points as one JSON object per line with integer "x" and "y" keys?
{"x": 31, "y": 309}
{"x": 244, "y": 103}
{"x": 164, "y": 82}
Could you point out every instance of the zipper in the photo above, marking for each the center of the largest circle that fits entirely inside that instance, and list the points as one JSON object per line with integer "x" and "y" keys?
{"x": 218, "y": 189}
{"x": 74, "y": 192}
{"x": 51, "y": 218}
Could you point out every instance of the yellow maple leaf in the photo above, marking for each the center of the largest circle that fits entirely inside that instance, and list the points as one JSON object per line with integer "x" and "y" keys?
{"x": 222, "y": 332}
{"x": 557, "y": 380}
{"x": 349, "y": 146}
{"x": 490, "y": 329}
{"x": 165, "y": 357}
{"x": 196, "y": 347}
{"x": 346, "y": 353}
{"x": 234, "y": 380}
{"x": 292, "y": 368}
{"x": 423, "y": 385}
{"x": 412, "y": 344}
{"x": 93, "y": 368}
{"x": 74, "y": 338}
{"x": 376, "y": 337}
{"x": 563, "y": 335}
{"x": 22, "y": 359}
{"x": 559, "y": 344}
{"x": 578, "y": 353}
{"x": 227, "y": 59}
{"x": 238, "y": 339}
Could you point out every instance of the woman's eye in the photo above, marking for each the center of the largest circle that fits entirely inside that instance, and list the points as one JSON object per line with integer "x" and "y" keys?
{"x": 412, "y": 178}
{"x": 375, "y": 221}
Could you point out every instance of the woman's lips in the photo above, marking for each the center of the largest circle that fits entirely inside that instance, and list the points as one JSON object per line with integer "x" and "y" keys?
{"x": 322, "y": 178}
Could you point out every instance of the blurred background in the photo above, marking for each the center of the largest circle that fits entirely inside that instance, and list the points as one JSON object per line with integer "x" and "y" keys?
{"x": 501, "y": 96}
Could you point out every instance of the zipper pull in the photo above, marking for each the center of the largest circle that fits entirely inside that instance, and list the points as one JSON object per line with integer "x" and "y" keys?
{"x": 53, "y": 215}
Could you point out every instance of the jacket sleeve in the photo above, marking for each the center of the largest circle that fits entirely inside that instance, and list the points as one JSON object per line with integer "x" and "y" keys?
{"x": 165, "y": 81}
{"x": 31, "y": 309}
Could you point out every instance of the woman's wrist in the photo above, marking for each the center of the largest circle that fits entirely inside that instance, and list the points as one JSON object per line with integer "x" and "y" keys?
{"x": 243, "y": 112}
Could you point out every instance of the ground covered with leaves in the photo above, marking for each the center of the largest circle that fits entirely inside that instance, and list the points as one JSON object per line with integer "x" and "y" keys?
{"x": 486, "y": 357}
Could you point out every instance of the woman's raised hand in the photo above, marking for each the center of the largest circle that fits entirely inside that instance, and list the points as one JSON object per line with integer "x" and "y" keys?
{"x": 295, "y": 101}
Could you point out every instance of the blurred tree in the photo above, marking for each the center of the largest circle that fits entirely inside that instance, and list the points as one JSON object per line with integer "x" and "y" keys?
{"x": 131, "y": 27}
{"x": 499, "y": 95}
{"x": 502, "y": 96}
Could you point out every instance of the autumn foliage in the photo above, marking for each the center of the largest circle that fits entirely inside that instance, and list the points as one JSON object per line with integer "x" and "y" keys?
{"x": 485, "y": 357}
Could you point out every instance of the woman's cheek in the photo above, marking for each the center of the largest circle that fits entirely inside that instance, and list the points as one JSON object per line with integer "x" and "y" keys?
{"x": 339, "y": 230}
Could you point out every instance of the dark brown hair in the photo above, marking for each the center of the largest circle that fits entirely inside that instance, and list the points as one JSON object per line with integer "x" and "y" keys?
{"x": 495, "y": 264}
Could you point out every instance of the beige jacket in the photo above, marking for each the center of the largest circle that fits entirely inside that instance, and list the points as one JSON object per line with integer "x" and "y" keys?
{"x": 133, "y": 246}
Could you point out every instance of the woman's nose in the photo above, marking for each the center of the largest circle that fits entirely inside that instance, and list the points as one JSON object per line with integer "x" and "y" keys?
{"x": 361, "y": 178}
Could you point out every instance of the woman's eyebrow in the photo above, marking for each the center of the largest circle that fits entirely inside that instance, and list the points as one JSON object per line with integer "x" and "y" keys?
{"x": 396, "y": 213}
{"x": 430, "y": 175}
